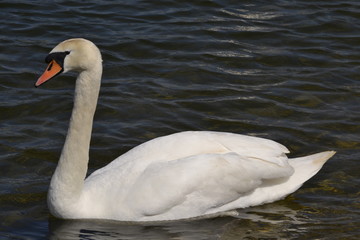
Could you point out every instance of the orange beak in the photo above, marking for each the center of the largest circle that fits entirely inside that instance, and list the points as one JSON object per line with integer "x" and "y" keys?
{"x": 51, "y": 71}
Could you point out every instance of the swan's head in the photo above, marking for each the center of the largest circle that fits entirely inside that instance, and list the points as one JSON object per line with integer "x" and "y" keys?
{"x": 75, "y": 54}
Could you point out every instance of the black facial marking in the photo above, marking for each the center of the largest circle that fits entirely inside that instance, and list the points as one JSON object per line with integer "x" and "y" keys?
{"x": 58, "y": 57}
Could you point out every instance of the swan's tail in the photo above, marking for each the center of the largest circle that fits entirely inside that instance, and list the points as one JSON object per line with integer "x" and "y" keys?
{"x": 308, "y": 166}
{"x": 304, "y": 168}
{"x": 272, "y": 190}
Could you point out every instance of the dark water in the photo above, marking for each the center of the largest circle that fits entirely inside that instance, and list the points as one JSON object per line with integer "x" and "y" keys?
{"x": 287, "y": 70}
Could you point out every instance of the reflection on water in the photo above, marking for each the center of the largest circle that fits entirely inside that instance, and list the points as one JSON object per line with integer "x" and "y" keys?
{"x": 112, "y": 230}
{"x": 274, "y": 223}
{"x": 271, "y": 221}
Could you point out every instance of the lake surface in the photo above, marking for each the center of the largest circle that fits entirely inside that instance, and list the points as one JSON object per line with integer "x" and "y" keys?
{"x": 288, "y": 71}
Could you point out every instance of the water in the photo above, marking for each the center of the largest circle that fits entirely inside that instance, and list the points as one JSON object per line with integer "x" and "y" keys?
{"x": 287, "y": 71}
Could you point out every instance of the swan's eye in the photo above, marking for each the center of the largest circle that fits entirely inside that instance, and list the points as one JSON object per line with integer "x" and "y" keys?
{"x": 57, "y": 56}
{"x": 50, "y": 66}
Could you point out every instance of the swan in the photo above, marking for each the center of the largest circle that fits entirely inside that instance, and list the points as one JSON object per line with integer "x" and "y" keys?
{"x": 184, "y": 175}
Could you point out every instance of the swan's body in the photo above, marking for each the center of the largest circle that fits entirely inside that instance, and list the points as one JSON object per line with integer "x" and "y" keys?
{"x": 183, "y": 175}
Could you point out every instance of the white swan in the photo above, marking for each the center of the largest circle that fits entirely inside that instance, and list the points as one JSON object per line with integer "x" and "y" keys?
{"x": 183, "y": 175}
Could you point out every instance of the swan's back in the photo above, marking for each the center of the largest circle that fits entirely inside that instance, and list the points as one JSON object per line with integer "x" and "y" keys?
{"x": 185, "y": 144}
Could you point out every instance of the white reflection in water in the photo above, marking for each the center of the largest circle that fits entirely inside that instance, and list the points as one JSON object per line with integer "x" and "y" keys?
{"x": 270, "y": 222}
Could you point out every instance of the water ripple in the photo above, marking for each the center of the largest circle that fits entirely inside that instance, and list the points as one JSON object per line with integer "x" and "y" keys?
{"x": 288, "y": 71}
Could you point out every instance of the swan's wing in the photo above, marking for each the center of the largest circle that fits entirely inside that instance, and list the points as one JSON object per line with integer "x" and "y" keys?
{"x": 198, "y": 184}
{"x": 192, "y": 174}
{"x": 184, "y": 174}
{"x": 186, "y": 144}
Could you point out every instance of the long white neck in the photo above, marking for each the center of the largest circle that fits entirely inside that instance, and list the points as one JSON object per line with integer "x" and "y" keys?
{"x": 68, "y": 180}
